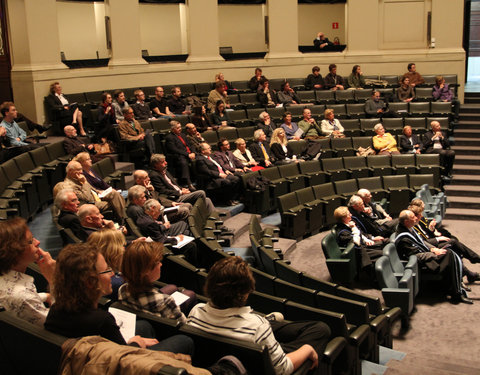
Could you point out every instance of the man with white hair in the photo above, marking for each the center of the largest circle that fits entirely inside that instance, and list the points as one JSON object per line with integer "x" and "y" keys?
{"x": 261, "y": 150}
{"x": 73, "y": 145}
{"x": 92, "y": 220}
{"x": 365, "y": 223}
{"x": 436, "y": 142}
{"x": 266, "y": 124}
{"x": 377, "y": 213}
{"x": 67, "y": 202}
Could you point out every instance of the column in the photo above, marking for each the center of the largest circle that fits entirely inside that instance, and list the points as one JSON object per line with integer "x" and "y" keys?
{"x": 202, "y": 29}
{"x": 125, "y": 32}
{"x": 282, "y": 29}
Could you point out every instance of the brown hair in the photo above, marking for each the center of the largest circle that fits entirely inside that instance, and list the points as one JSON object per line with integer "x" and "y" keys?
{"x": 110, "y": 243}
{"x": 75, "y": 282}
{"x": 52, "y": 87}
{"x": 139, "y": 258}
{"x": 13, "y": 242}
{"x": 229, "y": 282}
{"x": 5, "y": 107}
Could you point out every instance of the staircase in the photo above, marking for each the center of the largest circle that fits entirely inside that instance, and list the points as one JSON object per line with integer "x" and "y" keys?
{"x": 464, "y": 190}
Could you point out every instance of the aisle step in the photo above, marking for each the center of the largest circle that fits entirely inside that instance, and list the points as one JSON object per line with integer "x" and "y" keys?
{"x": 466, "y": 179}
{"x": 455, "y": 201}
{"x": 462, "y": 214}
{"x": 462, "y": 190}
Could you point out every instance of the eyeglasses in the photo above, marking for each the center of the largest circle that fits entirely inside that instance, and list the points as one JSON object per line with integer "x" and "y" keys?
{"x": 106, "y": 271}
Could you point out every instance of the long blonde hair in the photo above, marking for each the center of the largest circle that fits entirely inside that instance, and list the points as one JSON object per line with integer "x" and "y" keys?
{"x": 110, "y": 243}
{"x": 276, "y": 139}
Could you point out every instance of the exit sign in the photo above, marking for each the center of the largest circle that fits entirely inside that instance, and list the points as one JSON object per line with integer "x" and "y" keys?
{"x": 335, "y": 25}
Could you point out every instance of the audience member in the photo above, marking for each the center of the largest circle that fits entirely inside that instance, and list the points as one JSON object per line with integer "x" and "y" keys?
{"x": 92, "y": 220}
{"x": 314, "y": 81}
{"x": 201, "y": 120}
{"x": 35, "y": 128}
{"x": 229, "y": 283}
{"x": 431, "y": 259}
{"x": 180, "y": 152}
{"x": 260, "y": 149}
{"x": 384, "y": 143}
{"x": 256, "y": 79}
{"x": 140, "y": 108}
{"x": 67, "y": 203}
{"x": 194, "y": 137}
{"x": 218, "y": 94}
{"x": 159, "y": 105}
{"x": 106, "y": 120}
{"x": 441, "y": 91}
{"x": 68, "y": 113}
{"x": 309, "y": 126}
{"x": 280, "y": 148}
{"x": 220, "y": 117}
{"x": 367, "y": 225}
{"x": 176, "y": 104}
{"x": 287, "y": 95}
{"x": 7, "y": 151}
{"x": 75, "y": 312}
{"x": 405, "y": 93}
{"x": 331, "y": 127}
{"x": 355, "y": 79}
{"x": 291, "y": 128}
{"x": 93, "y": 179}
{"x": 243, "y": 154}
{"x": 266, "y": 96}
{"x": 131, "y": 130}
{"x": 227, "y": 85}
{"x": 415, "y": 77}
{"x": 375, "y": 107}
{"x": 18, "y": 294}
{"x": 166, "y": 185}
{"x": 17, "y": 137}
{"x": 332, "y": 80}
{"x": 227, "y": 160}
{"x": 377, "y": 213}
{"x": 74, "y": 145}
{"x": 266, "y": 124}
{"x": 119, "y": 104}
{"x": 409, "y": 142}
{"x": 213, "y": 177}
{"x": 435, "y": 142}
{"x": 347, "y": 231}
{"x": 322, "y": 42}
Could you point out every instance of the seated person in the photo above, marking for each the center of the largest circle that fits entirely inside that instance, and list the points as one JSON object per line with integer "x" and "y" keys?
{"x": 309, "y": 126}
{"x": 67, "y": 203}
{"x": 119, "y": 104}
{"x": 280, "y": 149}
{"x": 256, "y": 79}
{"x": 219, "y": 93}
{"x": 347, "y": 231}
{"x": 227, "y": 160}
{"x": 266, "y": 124}
{"x": 75, "y": 312}
{"x": 377, "y": 213}
{"x": 409, "y": 142}
{"x": 141, "y": 266}
{"x": 74, "y": 145}
{"x": 375, "y": 107}
{"x": 159, "y": 105}
{"x": 331, "y": 127}
{"x": 314, "y": 81}
{"x": 131, "y": 130}
{"x": 201, "y": 120}
{"x": 441, "y": 91}
{"x": 92, "y": 220}
{"x": 287, "y": 95}
{"x": 366, "y": 223}
{"x": 355, "y": 79}
{"x": 106, "y": 120}
{"x": 405, "y": 93}
{"x": 436, "y": 142}
{"x": 384, "y": 143}
{"x": 431, "y": 259}
{"x": 93, "y": 179}
{"x": 214, "y": 177}
{"x": 19, "y": 248}
{"x": 415, "y": 77}
{"x": 260, "y": 149}
{"x": 266, "y": 96}
{"x": 180, "y": 153}
{"x": 167, "y": 186}
{"x": 229, "y": 283}
{"x": 176, "y": 104}
{"x": 243, "y": 154}
{"x": 67, "y": 113}
{"x": 227, "y": 85}
{"x": 332, "y": 80}
{"x": 220, "y": 116}
{"x": 194, "y": 137}
{"x": 291, "y": 128}
{"x": 7, "y": 151}
{"x": 321, "y": 42}
{"x": 17, "y": 137}
{"x": 141, "y": 109}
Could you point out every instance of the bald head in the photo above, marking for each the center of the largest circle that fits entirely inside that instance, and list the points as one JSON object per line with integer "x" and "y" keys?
{"x": 74, "y": 170}
{"x": 70, "y": 131}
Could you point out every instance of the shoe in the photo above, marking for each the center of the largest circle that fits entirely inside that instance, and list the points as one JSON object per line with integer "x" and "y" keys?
{"x": 472, "y": 277}
{"x": 460, "y": 298}
{"x": 191, "y": 188}
{"x": 275, "y": 316}
{"x": 47, "y": 126}
{"x": 466, "y": 288}
{"x": 225, "y": 231}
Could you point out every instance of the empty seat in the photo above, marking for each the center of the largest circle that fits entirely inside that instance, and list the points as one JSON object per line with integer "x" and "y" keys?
{"x": 325, "y": 96}
{"x": 374, "y": 185}
{"x": 393, "y": 125}
{"x": 314, "y": 209}
{"x": 429, "y": 164}
{"x": 419, "y": 109}
{"x": 364, "y": 142}
{"x": 367, "y": 125}
{"x": 344, "y": 96}
{"x": 381, "y": 165}
{"x": 326, "y": 193}
{"x": 423, "y": 94}
{"x": 307, "y": 96}
{"x": 294, "y": 216}
{"x": 356, "y": 110}
{"x": 351, "y": 127}
{"x": 335, "y": 167}
{"x": 291, "y": 173}
{"x": 342, "y": 146}
{"x": 357, "y": 165}
{"x": 250, "y": 100}
{"x": 313, "y": 172}
{"x": 400, "y": 193}
{"x": 404, "y": 164}
{"x": 346, "y": 188}
{"x": 400, "y": 109}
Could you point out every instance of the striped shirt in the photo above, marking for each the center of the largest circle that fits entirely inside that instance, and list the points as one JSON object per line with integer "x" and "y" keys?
{"x": 243, "y": 324}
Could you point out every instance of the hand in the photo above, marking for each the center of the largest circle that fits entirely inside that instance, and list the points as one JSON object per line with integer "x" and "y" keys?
{"x": 268, "y": 163}
{"x": 108, "y": 224}
{"x": 313, "y": 356}
{"x": 296, "y": 138}
{"x": 378, "y": 238}
{"x": 369, "y": 242}
{"x": 432, "y": 225}
{"x": 191, "y": 156}
{"x": 223, "y": 175}
{"x": 3, "y": 131}
{"x": 49, "y": 301}
{"x": 368, "y": 210}
{"x": 442, "y": 238}
{"x": 174, "y": 204}
{"x": 143, "y": 342}
{"x": 185, "y": 191}
{"x": 438, "y": 251}
{"x": 90, "y": 147}
{"x": 46, "y": 264}
{"x": 180, "y": 237}
{"x": 380, "y": 110}
{"x": 141, "y": 136}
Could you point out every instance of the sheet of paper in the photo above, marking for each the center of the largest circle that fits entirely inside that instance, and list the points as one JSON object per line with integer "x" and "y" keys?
{"x": 126, "y": 322}
{"x": 105, "y": 192}
{"x": 180, "y": 244}
{"x": 179, "y": 297}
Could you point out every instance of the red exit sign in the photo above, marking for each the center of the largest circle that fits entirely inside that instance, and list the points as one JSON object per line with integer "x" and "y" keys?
{"x": 335, "y": 25}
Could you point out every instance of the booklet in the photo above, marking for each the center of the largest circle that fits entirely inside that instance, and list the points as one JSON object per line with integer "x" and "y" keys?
{"x": 104, "y": 193}
{"x": 179, "y": 297}
{"x": 180, "y": 244}
{"x": 126, "y": 321}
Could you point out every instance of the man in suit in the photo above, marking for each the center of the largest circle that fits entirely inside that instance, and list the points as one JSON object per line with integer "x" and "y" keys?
{"x": 92, "y": 220}
{"x": 367, "y": 225}
{"x": 409, "y": 142}
{"x": 215, "y": 178}
{"x": 431, "y": 259}
{"x": 227, "y": 160}
{"x": 166, "y": 185}
{"x": 377, "y": 213}
{"x": 261, "y": 150}
{"x": 67, "y": 202}
{"x": 181, "y": 153}
{"x": 435, "y": 142}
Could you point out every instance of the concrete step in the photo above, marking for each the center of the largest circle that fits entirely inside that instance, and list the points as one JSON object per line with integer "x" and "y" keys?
{"x": 467, "y": 159}
{"x": 466, "y": 141}
{"x": 466, "y": 150}
{"x": 464, "y": 202}
{"x": 470, "y": 108}
{"x": 462, "y": 190}
{"x": 462, "y": 214}
{"x": 468, "y": 124}
{"x": 472, "y": 100}
{"x": 466, "y": 169}
{"x": 465, "y": 179}
{"x": 238, "y": 224}
{"x": 466, "y": 132}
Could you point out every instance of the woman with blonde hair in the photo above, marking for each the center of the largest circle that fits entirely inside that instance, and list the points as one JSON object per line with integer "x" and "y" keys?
{"x": 331, "y": 127}
{"x": 280, "y": 148}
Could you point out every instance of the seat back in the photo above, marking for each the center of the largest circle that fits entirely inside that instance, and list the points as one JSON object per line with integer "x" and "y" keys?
{"x": 403, "y": 160}
{"x": 324, "y": 190}
{"x": 289, "y": 170}
{"x": 390, "y": 251}
{"x": 287, "y": 202}
{"x": 384, "y": 272}
{"x": 297, "y": 147}
{"x": 347, "y": 187}
{"x": 354, "y": 162}
{"x": 333, "y": 164}
{"x": 395, "y": 182}
{"x": 378, "y": 161}
{"x": 305, "y": 195}
{"x": 330, "y": 247}
{"x": 341, "y": 143}
{"x": 370, "y": 183}
{"x": 310, "y": 166}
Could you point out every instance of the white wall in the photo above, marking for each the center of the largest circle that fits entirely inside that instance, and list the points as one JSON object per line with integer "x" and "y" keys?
{"x": 313, "y": 18}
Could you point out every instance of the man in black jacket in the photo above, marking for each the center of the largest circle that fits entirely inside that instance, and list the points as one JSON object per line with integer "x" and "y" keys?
{"x": 435, "y": 141}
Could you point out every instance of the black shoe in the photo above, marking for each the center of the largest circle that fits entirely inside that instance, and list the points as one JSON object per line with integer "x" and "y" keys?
{"x": 472, "y": 277}
{"x": 46, "y": 126}
{"x": 460, "y": 298}
{"x": 191, "y": 188}
{"x": 466, "y": 288}
{"x": 225, "y": 230}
